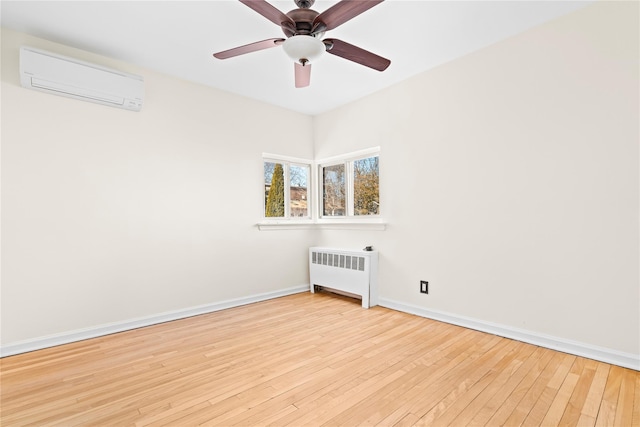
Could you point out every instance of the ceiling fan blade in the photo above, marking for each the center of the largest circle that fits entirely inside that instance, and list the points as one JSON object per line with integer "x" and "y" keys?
{"x": 303, "y": 74}
{"x": 340, "y": 13}
{"x": 270, "y": 12}
{"x": 356, "y": 54}
{"x": 251, "y": 47}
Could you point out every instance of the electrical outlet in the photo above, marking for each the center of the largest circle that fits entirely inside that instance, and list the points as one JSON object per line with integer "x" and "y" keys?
{"x": 424, "y": 287}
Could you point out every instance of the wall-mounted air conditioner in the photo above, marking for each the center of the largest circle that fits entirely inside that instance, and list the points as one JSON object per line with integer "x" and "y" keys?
{"x": 60, "y": 75}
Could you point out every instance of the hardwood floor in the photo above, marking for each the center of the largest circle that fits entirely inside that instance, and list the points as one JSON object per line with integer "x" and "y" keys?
{"x": 312, "y": 360}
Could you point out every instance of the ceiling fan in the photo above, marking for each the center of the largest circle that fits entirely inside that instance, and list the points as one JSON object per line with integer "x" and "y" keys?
{"x": 304, "y": 29}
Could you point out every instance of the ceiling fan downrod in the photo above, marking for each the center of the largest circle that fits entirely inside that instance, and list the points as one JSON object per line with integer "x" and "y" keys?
{"x": 304, "y": 4}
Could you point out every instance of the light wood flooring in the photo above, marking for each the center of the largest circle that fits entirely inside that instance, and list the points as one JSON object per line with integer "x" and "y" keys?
{"x": 312, "y": 360}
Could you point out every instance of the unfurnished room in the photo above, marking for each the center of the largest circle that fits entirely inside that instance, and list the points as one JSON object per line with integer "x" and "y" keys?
{"x": 320, "y": 213}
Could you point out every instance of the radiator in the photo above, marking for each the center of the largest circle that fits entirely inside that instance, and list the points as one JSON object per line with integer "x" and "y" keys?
{"x": 351, "y": 271}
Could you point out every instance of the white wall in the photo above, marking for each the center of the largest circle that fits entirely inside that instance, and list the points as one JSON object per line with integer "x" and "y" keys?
{"x": 110, "y": 215}
{"x": 510, "y": 181}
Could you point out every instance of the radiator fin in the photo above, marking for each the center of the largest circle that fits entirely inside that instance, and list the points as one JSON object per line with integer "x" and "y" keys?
{"x": 338, "y": 260}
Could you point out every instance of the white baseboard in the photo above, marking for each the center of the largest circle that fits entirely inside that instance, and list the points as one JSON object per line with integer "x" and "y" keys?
{"x": 614, "y": 357}
{"x": 111, "y": 328}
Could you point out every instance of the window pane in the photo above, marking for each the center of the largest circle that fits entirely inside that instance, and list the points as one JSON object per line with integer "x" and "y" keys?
{"x": 298, "y": 178}
{"x": 333, "y": 197}
{"x": 273, "y": 190}
{"x": 366, "y": 179}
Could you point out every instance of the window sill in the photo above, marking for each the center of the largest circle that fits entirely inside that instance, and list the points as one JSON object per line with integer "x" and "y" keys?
{"x": 285, "y": 225}
{"x": 346, "y": 224}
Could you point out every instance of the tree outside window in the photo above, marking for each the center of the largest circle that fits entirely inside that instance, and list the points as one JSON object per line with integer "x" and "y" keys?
{"x": 366, "y": 186}
{"x": 285, "y": 190}
{"x": 274, "y": 203}
{"x": 333, "y": 190}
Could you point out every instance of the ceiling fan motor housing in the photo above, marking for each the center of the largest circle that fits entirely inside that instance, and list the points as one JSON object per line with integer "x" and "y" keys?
{"x": 304, "y": 22}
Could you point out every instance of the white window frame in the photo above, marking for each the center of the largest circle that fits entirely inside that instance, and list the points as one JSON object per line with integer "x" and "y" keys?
{"x": 315, "y": 219}
{"x": 349, "y": 217}
{"x": 287, "y": 162}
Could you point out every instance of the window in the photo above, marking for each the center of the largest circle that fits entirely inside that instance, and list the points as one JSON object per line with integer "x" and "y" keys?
{"x": 286, "y": 193}
{"x": 333, "y": 190}
{"x": 341, "y": 191}
{"x": 351, "y": 186}
{"x": 366, "y": 186}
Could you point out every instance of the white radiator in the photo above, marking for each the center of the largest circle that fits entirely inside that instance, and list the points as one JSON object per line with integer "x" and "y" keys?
{"x": 353, "y": 272}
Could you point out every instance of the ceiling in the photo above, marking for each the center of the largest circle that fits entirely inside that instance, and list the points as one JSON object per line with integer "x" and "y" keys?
{"x": 178, "y": 38}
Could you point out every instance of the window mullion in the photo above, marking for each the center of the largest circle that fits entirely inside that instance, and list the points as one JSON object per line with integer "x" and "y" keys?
{"x": 287, "y": 190}
{"x": 319, "y": 185}
{"x": 349, "y": 188}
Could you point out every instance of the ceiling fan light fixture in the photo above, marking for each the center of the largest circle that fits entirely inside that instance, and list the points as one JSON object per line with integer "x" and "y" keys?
{"x": 303, "y": 48}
